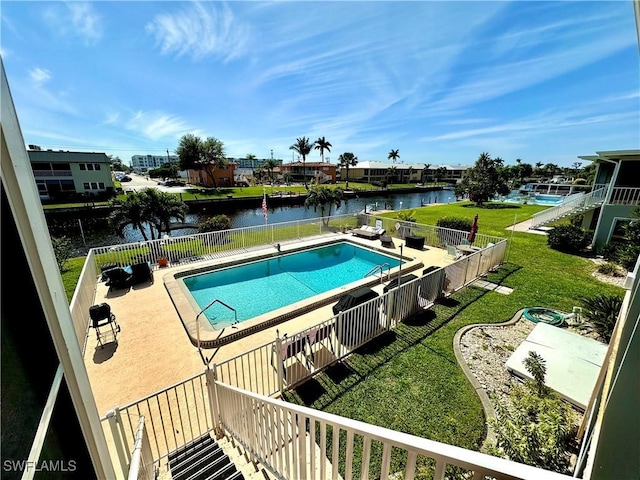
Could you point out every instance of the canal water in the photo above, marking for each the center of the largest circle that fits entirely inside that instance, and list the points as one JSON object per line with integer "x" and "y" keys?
{"x": 97, "y": 234}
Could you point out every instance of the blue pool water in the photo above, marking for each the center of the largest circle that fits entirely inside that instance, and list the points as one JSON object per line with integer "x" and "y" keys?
{"x": 539, "y": 199}
{"x": 260, "y": 287}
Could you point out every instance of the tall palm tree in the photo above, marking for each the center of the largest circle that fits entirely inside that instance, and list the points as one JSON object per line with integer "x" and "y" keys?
{"x": 393, "y": 155}
{"x": 409, "y": 173}
{"x": 425, "y": 171}
{"x": 303, "y": 147}
{"x": 323, "y": 198}
{"x": 347, "y": 160}
{"x": 322, "y": 144}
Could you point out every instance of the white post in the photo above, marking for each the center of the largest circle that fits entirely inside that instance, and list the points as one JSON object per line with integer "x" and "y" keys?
{"x": 113, "y": 416}
{"x": 214, "y": 407}
{"x": 339, "y": 335}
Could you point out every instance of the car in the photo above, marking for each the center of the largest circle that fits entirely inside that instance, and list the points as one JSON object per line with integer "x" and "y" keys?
{"x": 174, "y": 183}
{"x": 125, "y": 178}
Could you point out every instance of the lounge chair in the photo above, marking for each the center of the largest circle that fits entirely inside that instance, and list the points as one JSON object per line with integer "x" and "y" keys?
{"x": 118, "y": 278}
{"x": 141, "y": 272}
{"x": 371, "y": 233}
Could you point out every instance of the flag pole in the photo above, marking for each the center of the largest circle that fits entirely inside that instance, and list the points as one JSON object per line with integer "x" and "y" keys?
{"x": 264, "y": 204}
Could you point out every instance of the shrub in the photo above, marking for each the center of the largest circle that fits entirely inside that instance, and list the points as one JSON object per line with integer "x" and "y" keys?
{"x": 538, "y": 429}
{"x": 406, "y": 215}
{"x": 601, "y": 314}
{"x": 568, "y": 238}
{"x": 215, "y": 224}
{"x": 610, "y": 268}
{"x": 579, "y": 181}
{"x": 455, "y": 223}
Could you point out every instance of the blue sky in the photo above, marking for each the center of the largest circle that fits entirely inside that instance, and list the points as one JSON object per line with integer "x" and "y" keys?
{"x": 441, "y": 82}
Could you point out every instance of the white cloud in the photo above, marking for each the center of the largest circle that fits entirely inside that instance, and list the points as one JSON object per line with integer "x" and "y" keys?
{"x": 157, "y": 125}
{"x": 200, "y": 31}
{"x": 39, "y": 75}
{"x": 78, "y": 19}
{"x": 85, "y": 21}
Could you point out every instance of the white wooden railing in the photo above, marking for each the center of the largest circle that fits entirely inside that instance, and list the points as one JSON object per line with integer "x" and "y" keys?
{"x": 296, "y": 442}
{"x": 566, "y": 208}
{"x": 183, "y": 412}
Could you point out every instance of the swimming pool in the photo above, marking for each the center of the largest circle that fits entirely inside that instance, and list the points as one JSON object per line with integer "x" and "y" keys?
{"x": 256, "y": 288}
{"x": 537, "y": 199}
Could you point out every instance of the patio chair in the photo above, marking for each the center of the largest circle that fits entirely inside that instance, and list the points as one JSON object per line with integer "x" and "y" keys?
{"x": 104, "y": 322}
{"x": 118, "y": 277}
{"x": 141, "y": 272}
{"x": 452, "y": 251}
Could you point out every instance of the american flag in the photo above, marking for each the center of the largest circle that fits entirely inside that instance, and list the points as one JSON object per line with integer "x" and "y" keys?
{"x": 264, "y": 205}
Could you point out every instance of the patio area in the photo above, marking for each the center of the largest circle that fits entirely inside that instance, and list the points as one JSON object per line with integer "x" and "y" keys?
{"x": 153, "y": 350}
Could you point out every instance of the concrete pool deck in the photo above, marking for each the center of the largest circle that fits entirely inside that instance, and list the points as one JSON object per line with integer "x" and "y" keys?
{"x": 153, "y": 350}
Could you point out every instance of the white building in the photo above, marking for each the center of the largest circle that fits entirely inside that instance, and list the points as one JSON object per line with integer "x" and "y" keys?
{"x": 144, "y": 163}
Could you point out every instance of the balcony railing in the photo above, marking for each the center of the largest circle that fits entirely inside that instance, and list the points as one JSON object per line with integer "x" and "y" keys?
{"x": 296, "y": 442}
{"x": 188, "y": 410}
{"x": 625, "y": 196}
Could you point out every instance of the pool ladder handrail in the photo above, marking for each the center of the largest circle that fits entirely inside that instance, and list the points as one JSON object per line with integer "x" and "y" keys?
{"x": 380, "y": 267}
{"x": 206, "y": 360}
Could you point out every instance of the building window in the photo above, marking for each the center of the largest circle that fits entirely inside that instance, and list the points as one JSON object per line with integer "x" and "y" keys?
{"x": 86, "y": 185}
{"x": 101, "y": 185}
{"x": 83, "y": 166}
{"x": 89, "y": 166}
{"x": 96, "y": 166}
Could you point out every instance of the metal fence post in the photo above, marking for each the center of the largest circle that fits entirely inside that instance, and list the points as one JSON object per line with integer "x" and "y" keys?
{"x": 210, "y": 374}
{"x": 115, "y": 424}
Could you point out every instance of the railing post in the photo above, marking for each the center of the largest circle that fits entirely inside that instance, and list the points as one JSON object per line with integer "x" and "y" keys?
{"x": 115, "y": 424}
{"x": 210, "y": 374}
{"x": 391, "y": 303}
{"x": 279, "y": 365}
{"x": 339, "y": 335}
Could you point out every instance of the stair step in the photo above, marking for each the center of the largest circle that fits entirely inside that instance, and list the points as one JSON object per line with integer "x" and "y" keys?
{"x": 194, "y": 444}
{"x": 186, "y": 464}
{"x": 226, "y": 473}
{"x": 204, "y": 471}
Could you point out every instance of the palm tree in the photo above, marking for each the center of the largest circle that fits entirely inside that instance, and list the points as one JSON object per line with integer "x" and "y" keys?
{"x": 269, "y": 165}
{"x": 303, "y": 147}
{"x": 322, "y": 145}
{"x": 409, "y": 172}
{"x": 425, "y": 171}
{"x": 130, "y": 211}
{"x": 323, "y": 198}
{"x": 391, "y": 174}
{"x": 347, "y": 160}
{"x": 393, "y": 155}
{"x": 148, "y": 210}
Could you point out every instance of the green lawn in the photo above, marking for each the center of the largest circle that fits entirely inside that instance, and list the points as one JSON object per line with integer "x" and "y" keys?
{"x": 409, "y": 380}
